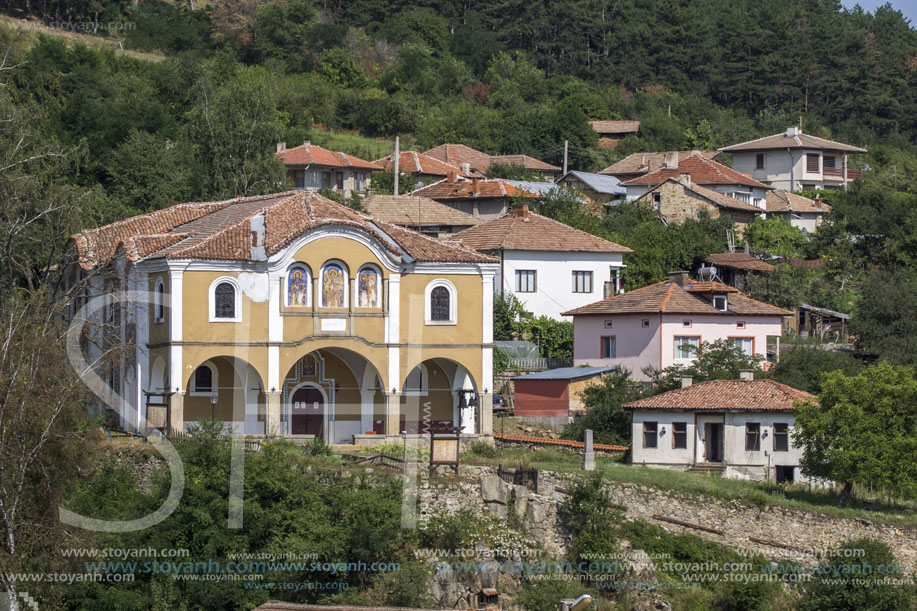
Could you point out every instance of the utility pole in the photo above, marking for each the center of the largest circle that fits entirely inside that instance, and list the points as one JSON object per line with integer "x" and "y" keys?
{"x": 566, "y": 148}
{"x": 397, "y": 157}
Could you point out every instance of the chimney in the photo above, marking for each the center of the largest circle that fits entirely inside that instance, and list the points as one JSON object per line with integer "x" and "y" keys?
{"x": 671, "y": 160}
{"x": 307, "y": 143}
{"x": 686, "y": 381}
{"x": 521, "y": 210}
{"x": 452, "y": 177}
{"x": 466, "y": 168}
{"x": 281, "y": 147}
{"x": 679, "y": 278}
{"x": 818, "y": 200}
{"x": 476, "y": 190}
{"x": 792, "y": 132}
{"x": 257, "y": 251}
{"x": 746, "y": 374}
{"x": 609, "y": 289}
{"x": 685, "y": 178}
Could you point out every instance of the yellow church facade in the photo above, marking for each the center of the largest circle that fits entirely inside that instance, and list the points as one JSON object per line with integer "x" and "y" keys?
{"x": 290, "y": 315}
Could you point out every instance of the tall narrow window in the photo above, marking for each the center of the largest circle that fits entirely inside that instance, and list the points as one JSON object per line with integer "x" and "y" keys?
{"x": 298, "y": 287}
{"x": 525, "y": 281}
{"x": 159, "y": 305}
{"x": 781, "y": 437}
{"x": 608, "y": 347}
{"x": 649, "y": 434}
{"x": 752, "y": 436}
{"x": 759, "y": 161}
{"x": 224, "y": 301}
{"x": 680, "y": 435}
{"x": 813, "y": 163}
{"x": 745, "y": 344}
{"x": 439, "y": 304}
{"x": 203, "y": 379}
{"x": 582, "y": 282}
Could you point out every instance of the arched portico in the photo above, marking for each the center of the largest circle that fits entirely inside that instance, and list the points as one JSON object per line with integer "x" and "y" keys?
{"x": 226, "y": 389}
{"x": 439, "y": 394}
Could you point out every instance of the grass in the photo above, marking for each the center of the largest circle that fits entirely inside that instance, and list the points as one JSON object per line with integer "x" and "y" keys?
{"x": 901, "y": 513}
{"x": 358, "y": 146}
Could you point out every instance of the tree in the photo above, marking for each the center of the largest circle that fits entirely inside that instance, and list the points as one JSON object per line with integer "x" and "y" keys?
{"x": 604, "y": 415}
{"x": 148, "y": 173}
{"x": 860, "y": 429}
{"x": 804, "y": 366}
{"x": 885, "y": 321}
{"x": 775, "y": 237}
{"x": 717, "y": 360}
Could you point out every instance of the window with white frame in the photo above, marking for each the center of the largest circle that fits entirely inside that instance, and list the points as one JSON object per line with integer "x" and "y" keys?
{"x": 650, "y": 431}
{"x": 159, "y": 301}
{"x": 686, "y": 346}
{"x": 525, "y": 280}
{"x": 745, "y": 344}
{"x": 719, "y": 302}
{"x": 608, "y": 347}
{"x": 582, "y": 282}
{"x": 204, "y": 381}
{"x": 225, "y": 300}
{"x": 440, "y": 303}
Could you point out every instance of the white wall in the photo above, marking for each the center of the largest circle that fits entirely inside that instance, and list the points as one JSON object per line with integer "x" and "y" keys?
{"x": 554, "y": 278}
{"x": 778, "y": 164}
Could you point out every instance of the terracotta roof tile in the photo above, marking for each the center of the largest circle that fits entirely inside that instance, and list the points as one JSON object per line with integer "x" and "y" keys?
{"x": 727, "y": 395}
{"x": 222, "y": 231}
{"x": 412, "y": 162}
{"x": 668, "y": 297}
{"x": 739, "y": 260}
{"x": 702, "y": 170}
{"x": 524, "y": 230}
{"x": 786, "y": 201}
{"x": 639, "y": 163}
{"x": 310, "y": 154}
{"x": 560, "y": 442}
{"x": 615, "y": 127}
{"x": 529, "y": 163}
{"x": 416, "y": 211}
{"x": 784, "y": 141}
{"x": 457, "y": 154}
{"x": 473, "y": 188}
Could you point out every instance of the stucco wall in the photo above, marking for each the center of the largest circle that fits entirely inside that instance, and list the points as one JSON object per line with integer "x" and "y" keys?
{"x": 543, "y": 398}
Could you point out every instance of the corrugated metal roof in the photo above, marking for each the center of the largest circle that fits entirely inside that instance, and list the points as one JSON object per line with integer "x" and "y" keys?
{"x": 565, "y": 373}
{"x": 600, "y": 183}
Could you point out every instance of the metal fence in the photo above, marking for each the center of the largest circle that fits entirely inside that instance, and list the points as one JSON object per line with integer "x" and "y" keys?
{"x": 539, "y": 363}
{"x": 519, "y": 477}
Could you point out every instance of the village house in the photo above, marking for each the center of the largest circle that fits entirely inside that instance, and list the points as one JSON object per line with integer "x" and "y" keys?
{"x": 549, "y": 266}
{"x": 678, "y": 199}
{"x": 733, "y": 267}
{"x": 422, "y": 169}
{"x": 420, "y": 214}
{"x": 801, "y": 212}
{"x": 612, "y": 132}
{"x": 552, "y": 398}
{"x": 641, "y": 164}
{"x": 599, "y": 188}
{"x": 459, "y": 155}
{"x": 291, "y": 315}
{"x": 703, "y": 172}
{"x": 795, "y": 161}
{"x": 313, "y": 167}
{"x": 663, "y": 324}
{"x": 486, "y": 199}
{"x": 740, "y": 428}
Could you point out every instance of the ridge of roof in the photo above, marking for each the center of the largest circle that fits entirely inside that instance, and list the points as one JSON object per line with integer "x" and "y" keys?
{"x": 309, "y": 154}
{"x": 763, "y": 394}
{"x": 703, "y": 171}
{"x": 714, "y": 197}
{"x": 800, "y": 140}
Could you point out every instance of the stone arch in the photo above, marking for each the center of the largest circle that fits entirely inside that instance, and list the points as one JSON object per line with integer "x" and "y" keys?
{"x": 239, "y": 393}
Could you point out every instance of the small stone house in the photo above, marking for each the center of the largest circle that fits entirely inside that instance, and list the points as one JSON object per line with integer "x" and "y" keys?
{"x": 677, "y": 200}
{"x": 741, "y": 428}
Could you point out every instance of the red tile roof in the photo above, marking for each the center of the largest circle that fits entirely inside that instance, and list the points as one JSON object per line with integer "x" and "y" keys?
{"x": 222, "y": 231}
{"x": 529, "y": 163}
{"x": 784, "y": 141}
{"x": 310, "y": 154}
{"x": 457, "y": 154}
{"x": 524, "y": 230}
{"x": 412, "y": 162}
{"x": 415, "y": 211}
{"x": 615, "y": 127}
{"x": 639, "y": 163}
{"x": 727, "y": 395}
{"x": 703, "y": 171}
{"x": 739, "y": 260}
{"x": 474, "y": 188}
{"x": 668, "y": 297}
{"x": 560, "y": 442}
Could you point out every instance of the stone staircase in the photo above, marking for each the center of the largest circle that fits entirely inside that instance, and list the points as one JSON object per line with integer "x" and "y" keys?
{"x": 709, "y": 468}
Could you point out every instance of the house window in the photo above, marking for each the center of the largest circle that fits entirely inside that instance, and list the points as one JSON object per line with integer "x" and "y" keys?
{"x": 225, "y": 300}
{"x": 740, "y": 324}
{"x": 608, "y": 347}
{"x": 719, "y": 302}
{"x": 440, "y": 303}
{"x": 759, "y": 161}
{"x": 752, "y": 436}
{"x": 204, "y": 380}
{"x": 159, "y": 305}
{"x": 657, "y": 200}
{"x": 649, "y": 434}
{"x": 680, "y": 435}
{"x": 360, "y": 182}
{"x": 298, "y": 287}
{"x": 781, "y": 437}
{"x": 417, "y": 382}
{"x": 645, "y": 323}
{"x": 368, "y": 288}
{"x": 339, "y": 180}
{"x": 686, "y": 346}
{"x": 745, "y": 344}
{"x": 334, "y": 286}
{"x": 686, "y": 324}
{"x": 326, "y": 180}
{"x": 828, "y": 162}
{"x": 813, "y": 163}
{"x": 300, "y": 178}
{"x": 608, "y": 324}
{"x": 525, "y": 281}
{"x": 582, "y": 282}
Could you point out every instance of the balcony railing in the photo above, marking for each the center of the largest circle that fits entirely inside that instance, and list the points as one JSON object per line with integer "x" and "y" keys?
{"x": 839, "y": 173}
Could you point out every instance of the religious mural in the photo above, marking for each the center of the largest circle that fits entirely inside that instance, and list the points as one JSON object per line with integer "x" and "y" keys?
{"x": 333, "y": 286}
{"x": 368, "y": 283}
{"x": 297, "y": 288}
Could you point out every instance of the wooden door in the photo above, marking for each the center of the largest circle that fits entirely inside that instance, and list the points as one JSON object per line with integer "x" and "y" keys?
{"x": 308, "y": 412}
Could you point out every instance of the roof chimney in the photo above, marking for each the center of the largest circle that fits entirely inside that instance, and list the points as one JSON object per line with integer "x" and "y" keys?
{"x": 671, "y": 160}
{"x": 686, "y": 381}
{"x": 452, "y": 177}
{"x": 281, "y": 147}
{"x": 792, "y": 132}
{"x": 257, "y": 251}
{"x": 818, "y": 200}
{"x": 476, "y": 190}
{"x": 521, "y": 210}
{"x": 685, "y": 178}
{"x": 466, "y": 168}
{"x": 746, "y": 374}
{"x": 680, "y": 278}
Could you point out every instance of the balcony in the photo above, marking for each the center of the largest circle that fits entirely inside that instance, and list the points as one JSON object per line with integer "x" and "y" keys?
{"x": 838, "y": 173}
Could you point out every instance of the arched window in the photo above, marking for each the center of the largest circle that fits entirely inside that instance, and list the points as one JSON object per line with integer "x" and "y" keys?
{"x": 417, "y": 382}
{"x": 298, "y": 279}
{"x": 440, "y": 303}
{"x": 225, "y": 300}
{"x": 368, "y": 288}
{"x": 204, "y": 381}
{"x": 159, "y": 301}
{"x": 334, "y": 286}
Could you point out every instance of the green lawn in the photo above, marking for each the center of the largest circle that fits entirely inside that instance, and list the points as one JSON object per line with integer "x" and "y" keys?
{"x": 358, "y": 146}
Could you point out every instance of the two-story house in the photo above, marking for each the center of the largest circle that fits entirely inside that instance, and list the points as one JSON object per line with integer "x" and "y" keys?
{"x": 795, "y": 161}
{"x": 641, "y": 164}
{"x": 663, "y": 324}
{"x": 314, "y": 167}
{"x": 487, "y": 199}
{"x": 417, "y": 169}
{"x": 549, "y": 266}
{"x": 290, "y": 315}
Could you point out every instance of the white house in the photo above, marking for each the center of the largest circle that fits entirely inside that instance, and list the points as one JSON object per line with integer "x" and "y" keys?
{"x": 740, "y": 427}
{"x": 795, "y": 161}
{"x": 550, "y": 267}
{"x": 663, "y": 324}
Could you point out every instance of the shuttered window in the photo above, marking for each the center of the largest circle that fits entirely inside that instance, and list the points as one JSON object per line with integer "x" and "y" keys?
{"x": 812, "y": 162}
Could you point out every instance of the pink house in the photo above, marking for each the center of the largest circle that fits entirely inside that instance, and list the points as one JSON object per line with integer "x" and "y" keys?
{"x": 663, "y": 324}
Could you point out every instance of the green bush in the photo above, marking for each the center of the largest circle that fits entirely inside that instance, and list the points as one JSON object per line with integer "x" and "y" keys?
{"x": 484, "y": 449}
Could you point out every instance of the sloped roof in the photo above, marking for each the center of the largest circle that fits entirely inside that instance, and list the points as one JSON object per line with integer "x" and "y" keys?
{"x": 600, "y": 183}
{"x": 615, "y": 127}
{"x": 727, "y": 395}
{"x": 786, "y": 201}
{"x": 412, "y": 162}
{"x": 565, "y": 373}
{"x": 714, "y": 197}
{"x": 222, "y": 231}
{"x": 411, "y": 210}
{"x": 638, "y": 163}
{"x": 529, "y": 163}
{"x": 472, "y": 189}
{"x": 310, "y": 154}
{"x": 740, "y": 260}
{"x": 669, "y": 297}
{"x": 702, "y": 170}
{"x": 523, "y": 230}
{"x": 457, "y": 154}
{"x": 784, "y": 141}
